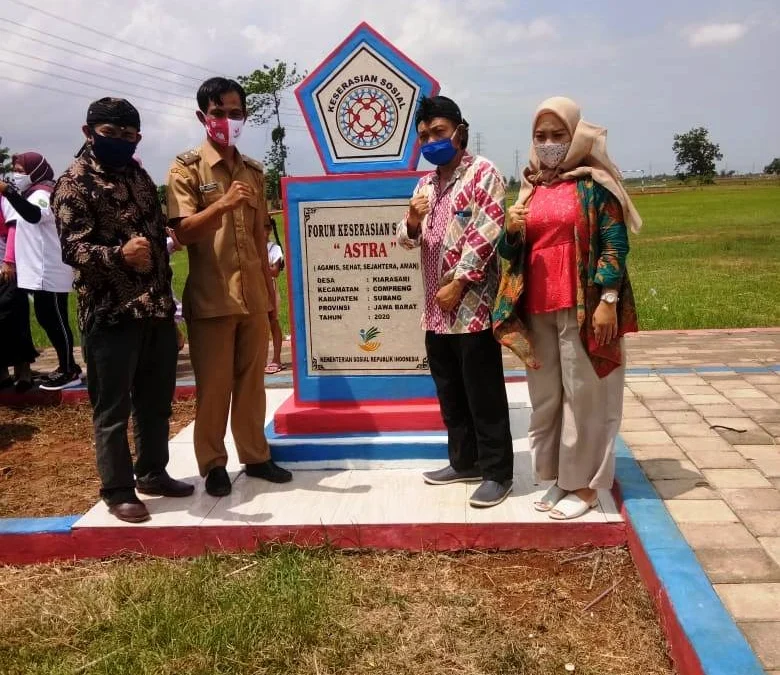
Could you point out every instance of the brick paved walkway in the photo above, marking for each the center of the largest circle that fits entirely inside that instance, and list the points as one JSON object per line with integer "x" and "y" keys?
{"x": 702, "y": 416}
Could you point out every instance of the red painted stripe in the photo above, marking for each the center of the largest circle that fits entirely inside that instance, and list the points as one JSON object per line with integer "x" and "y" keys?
{"x": 20, "y": 549}
{"x": 296, "y": 418}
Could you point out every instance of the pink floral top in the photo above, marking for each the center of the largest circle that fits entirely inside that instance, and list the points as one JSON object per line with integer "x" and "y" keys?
{"x": 458, "y": 241}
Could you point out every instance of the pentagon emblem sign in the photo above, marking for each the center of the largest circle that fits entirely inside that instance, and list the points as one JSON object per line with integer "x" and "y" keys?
{"x": 359, "y": 105}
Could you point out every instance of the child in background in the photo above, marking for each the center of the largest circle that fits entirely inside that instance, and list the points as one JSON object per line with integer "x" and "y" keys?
{"x": 173, "y": 247}
{"x": 276, "y": 261}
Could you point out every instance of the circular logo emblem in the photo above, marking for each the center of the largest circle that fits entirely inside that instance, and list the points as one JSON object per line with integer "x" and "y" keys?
{"x": 367, "y": 117}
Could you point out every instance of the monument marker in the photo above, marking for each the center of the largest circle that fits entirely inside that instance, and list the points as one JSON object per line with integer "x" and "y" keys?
{"x": 356, "y": 297}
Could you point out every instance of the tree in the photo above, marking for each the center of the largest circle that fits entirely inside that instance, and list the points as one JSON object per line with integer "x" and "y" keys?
{"x": 696, "y": 155}
{"x": 264, "y": 88}
{"x": 5, "y": 162}
{"x": 512, "y": 183}
{"x": 773, "y": 166}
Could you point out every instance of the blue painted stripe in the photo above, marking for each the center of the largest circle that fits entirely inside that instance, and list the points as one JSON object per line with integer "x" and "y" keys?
{"x": 315, "y": 452}
{"x": 751, "y": 369}
{"x": 57, "y": 525}
{"x": 395, "y": 446}
{"x": 693, "y": 370}
{"x": 713, "y": 634}
{"x": 287, "y": 378}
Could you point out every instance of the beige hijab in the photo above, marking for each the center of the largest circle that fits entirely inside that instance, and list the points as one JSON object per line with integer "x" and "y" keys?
{"x": 587, "y": 156}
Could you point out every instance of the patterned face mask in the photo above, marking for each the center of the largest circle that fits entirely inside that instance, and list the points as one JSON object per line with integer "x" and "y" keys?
{"x": 551, "y": 154}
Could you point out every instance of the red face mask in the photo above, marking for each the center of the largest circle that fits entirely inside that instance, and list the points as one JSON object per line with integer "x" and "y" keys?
{"x": 222, "y": 130}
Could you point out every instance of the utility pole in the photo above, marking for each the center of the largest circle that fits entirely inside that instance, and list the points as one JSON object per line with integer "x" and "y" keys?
{"x": 517, "y": 164}
{"x": 478, "y": 142}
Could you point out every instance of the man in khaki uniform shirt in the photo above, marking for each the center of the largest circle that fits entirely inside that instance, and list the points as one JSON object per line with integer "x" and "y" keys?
{"x": 216, "y": 204}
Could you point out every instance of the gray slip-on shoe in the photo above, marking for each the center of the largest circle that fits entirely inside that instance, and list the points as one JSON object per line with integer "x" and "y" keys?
{"x": 449, "y": 475}
{"x": 490, "y": 493}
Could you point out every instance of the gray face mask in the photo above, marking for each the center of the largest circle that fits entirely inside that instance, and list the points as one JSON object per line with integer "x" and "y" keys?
{"x": 551, "y": 154}
{"x": 21, "y": 181}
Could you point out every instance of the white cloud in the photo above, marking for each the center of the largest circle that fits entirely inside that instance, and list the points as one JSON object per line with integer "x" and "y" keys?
{"x": 716, "y": 34}
{"x": 497, "y": 58}
{"x": 263, "y": 43}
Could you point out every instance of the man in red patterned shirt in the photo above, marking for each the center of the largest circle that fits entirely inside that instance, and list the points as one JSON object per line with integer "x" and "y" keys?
{"x": 456, "y": 216}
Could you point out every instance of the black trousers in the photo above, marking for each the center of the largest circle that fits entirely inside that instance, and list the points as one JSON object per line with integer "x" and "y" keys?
{"x": 51, "y": 310}
{"x": 469, "y": 376}
{"x": 132, "y": 369}
{"x": 16, "y": 343}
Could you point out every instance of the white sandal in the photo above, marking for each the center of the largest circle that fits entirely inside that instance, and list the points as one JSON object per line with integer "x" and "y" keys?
{"x": 553, "y": 495}
{"x": 572, "y": 506}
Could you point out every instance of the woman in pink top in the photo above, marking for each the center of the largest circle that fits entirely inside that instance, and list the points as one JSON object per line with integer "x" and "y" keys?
{"x": 565, "y": 303}
{"x": 16, "y": 345}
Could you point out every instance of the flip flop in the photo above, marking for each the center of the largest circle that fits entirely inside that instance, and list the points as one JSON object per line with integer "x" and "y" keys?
{"x": 273, "y": 368}
{"x": 550, "y": 498}
{"x": 571, "y": 507}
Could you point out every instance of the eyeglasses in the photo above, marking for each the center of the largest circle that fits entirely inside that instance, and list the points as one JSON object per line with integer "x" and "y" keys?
{"x": 115, "y": 131}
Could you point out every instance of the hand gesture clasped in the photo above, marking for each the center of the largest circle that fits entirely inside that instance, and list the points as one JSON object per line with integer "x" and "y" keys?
{"x": 138, "y": 254}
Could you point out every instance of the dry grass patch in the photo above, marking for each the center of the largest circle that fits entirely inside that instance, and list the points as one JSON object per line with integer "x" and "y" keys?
{"x": 293, "y": 611}
{"x": 47, "y": 458}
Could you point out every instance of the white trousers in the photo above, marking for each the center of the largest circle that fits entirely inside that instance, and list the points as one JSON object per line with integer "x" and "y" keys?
{"x": 576, "y": 415}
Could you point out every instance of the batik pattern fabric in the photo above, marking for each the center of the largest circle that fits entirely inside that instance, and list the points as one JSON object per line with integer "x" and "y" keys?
{"x": 458, "y": 241}
{"x": 98, "y": 210}
{"x": 603, "y": 265}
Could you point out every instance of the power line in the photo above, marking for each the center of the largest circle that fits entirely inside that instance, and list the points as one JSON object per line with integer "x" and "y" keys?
{"x": 100, "y": 51}
{"x": 112, "y": 65}
{"x": 90, "y": 84}
{"x": 94, "y": 74}
{"x": 111, "y": 37}
{"x": 81, "y": 96}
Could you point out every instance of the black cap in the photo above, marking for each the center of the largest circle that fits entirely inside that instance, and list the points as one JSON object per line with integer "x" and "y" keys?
{"x": 109, "y": 110}
{"x": 438, "y": 106}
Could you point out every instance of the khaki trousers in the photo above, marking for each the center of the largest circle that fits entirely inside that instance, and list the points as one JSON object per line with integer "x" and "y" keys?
{"x": 228, "y": 355}
{"x": 576, "y": 415}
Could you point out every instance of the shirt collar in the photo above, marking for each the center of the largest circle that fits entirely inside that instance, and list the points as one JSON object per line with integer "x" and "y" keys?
{"x": 466, "y": 161}
{"x": 212, "y": 157}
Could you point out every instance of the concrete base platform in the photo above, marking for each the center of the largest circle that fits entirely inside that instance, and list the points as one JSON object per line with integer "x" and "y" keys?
{"x": 351, "y": 502}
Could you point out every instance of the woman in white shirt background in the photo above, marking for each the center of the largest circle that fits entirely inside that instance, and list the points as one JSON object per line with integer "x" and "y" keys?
{"x": 39, "y": 266}
{"x": 276, "y": 261}
{"x": 16, "y": 345}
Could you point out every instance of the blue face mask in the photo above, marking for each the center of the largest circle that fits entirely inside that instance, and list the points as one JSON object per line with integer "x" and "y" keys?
{"x": 439, "y": 152}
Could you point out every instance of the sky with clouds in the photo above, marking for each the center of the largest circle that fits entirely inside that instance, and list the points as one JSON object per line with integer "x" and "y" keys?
{"x": 644, "y": 70}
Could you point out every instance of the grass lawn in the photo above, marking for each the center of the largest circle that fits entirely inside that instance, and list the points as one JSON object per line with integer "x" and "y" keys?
{"x": 706, "y": 258}
{"x": 292, "y": 612}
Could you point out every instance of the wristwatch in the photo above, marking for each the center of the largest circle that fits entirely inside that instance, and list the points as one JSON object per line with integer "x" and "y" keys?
{"x": 610, "y": 297}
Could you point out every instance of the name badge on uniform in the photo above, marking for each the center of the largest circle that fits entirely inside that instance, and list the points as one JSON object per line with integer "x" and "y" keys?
{"x": 208, "y": 187}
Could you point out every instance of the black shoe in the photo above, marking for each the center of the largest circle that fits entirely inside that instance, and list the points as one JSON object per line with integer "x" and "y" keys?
{"x": 23, "y": 386}
{"x": 163, "y": 485}
{"x": 218, "y": 482}
{"x": 130, "y": 512}
{"x": 59, "y": 381}
{"x": 268, "y": 471}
